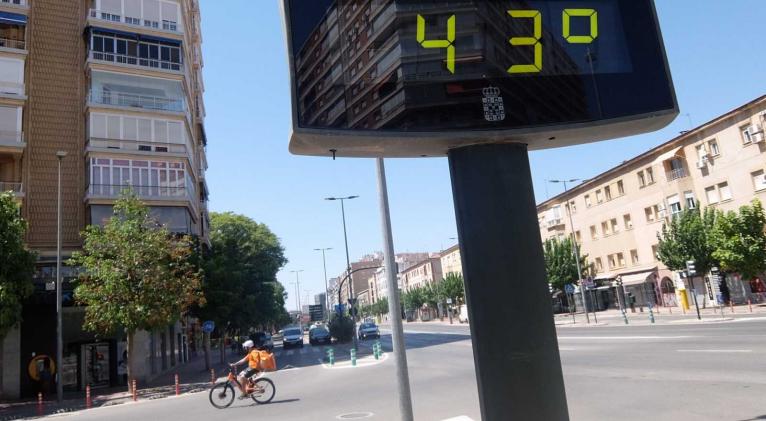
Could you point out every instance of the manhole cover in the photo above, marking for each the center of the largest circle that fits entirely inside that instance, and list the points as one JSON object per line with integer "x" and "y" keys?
{"x": 355, "y": 416}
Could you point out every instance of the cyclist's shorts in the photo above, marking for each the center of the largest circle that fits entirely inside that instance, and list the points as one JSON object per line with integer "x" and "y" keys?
{"x": 248, "y": 372}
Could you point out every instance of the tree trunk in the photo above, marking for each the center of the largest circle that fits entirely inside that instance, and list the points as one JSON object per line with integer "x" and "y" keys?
{"x": 206, "y": 348}
{"x": 129, "y": 367}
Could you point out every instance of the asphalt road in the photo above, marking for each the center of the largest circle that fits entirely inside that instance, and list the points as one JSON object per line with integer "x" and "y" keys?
{"x": 713, "y": 371}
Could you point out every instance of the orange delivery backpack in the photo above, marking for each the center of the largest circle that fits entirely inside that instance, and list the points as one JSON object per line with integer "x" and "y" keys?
{"x": 268, "y": 362}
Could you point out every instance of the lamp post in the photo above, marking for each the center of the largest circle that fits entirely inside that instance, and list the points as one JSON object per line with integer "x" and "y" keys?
{"x": 326, "y": 288}
{"x": 298, "y": 289}
{"x": 348, "y": 260}
{"x": 575, "y": 250}
{"x": 59, "y": 332}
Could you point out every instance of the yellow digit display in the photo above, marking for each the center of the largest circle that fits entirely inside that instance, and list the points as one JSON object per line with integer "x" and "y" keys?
{"x": 580, "y": 39}
{"x": 449, "y": 43}
{"x": 526, "y": 41}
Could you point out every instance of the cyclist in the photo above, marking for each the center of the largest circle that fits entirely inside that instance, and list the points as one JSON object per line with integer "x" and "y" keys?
{"x": 252, "y": 359}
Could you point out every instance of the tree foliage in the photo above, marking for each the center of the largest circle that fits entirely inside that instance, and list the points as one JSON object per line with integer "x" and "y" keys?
{"x": 241, "y": 285}
{"x": 452, "y": 286}
{"x": 560, "y": 263}
{"x": 687, "y": 237}
{"x": 740, "y": 242}
{"x": 136, "y": 275}
{"x": 413, "y": 299}
{"x": 341, "y": 328}
{"x": 16, "y": 264}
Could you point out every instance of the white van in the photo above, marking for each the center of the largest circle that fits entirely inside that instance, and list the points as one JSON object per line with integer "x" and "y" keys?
{"x": 463, "y": 317}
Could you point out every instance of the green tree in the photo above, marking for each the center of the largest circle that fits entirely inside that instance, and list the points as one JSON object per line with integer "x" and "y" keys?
{"x": 453, "y": 287}
{"x": 414, "y": 299}
{"x": 341, "y": 328}
{"x": 740, "y": 242}
{"x": 560, "y": 263}
{"x": 687, "y": 237}
{"x": 136, "y": 274}
{"x": 241, "y": 268}
{"x": 16, "y": 264}
{"x": 381, "y": 307}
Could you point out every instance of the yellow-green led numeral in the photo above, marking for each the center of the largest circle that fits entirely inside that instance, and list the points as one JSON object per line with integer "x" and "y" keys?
{"x": 580, "y": 39}
{"x": 449, "y": 43}
{"x": 526, "y": 41}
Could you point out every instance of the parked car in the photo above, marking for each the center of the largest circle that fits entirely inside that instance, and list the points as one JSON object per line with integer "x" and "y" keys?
{"x": 263, "y": 339}
{"x": 319, "y": 335}
{"x": 292, "y": 336}
{"x": 463, "y": 317}
{"x": 369, "y": 330}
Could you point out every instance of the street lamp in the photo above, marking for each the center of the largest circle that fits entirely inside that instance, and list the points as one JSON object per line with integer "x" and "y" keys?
{"x": 326, "y": 288}
{"x": 574, "y": 247}
{"x": 298, "y": 289}
{"x": 345, "y": 239}
{"x": 59, "y": 332}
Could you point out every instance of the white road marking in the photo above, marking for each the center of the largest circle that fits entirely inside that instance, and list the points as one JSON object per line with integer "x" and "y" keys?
{"x": 723, "y": 351}
{"x": 628, "y": 338}
{"x": 460, "y": 418}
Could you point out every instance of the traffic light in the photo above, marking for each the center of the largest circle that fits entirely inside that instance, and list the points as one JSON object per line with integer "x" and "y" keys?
{"x": 550, "y": 288}
{"x": 690, "y": 268}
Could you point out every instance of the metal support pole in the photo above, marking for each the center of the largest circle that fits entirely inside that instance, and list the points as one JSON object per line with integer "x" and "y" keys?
{"x": 506, "y": 291}
{"x": 576, "y": 252}
{"x": 400, "y": 356}
{"x": 59, "y": 284}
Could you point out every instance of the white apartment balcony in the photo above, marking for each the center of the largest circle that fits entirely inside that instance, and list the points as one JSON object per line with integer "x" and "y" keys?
{"x": 12, "y": 141}
{"x": 137, "y": 147}
{"x": 167, "y": 26}
{"x": 135, "y": 62}
{"x": 12, "y": 88}
{"x": 13, "y": 44}
{"x": 20, "y": 4}
{"x": 16, "y": 188}
{"x": 109, "y": 192}
{"x": 148, "y": 102}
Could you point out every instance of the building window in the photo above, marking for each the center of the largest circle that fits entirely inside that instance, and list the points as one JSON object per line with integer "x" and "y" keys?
{"x": 759, "y": 180}
{"x": 649, "y": 176}
{"x": 713, "y": 147}
{"x": 747, "y": 134}
{"x": 641, "y": 179}
{"x": 675, "y": 204}
{"x": 712, "y": 195}
{"x": 599, "y": 265}
{"x": 572, "y": 207}
{"x": 599, "y": 197}
{"x": 654, "y": 252}
{"x": 612, "y": 259}
{"x": 725, "y": 191}
{"x": 578, "y": 237}
{"x": 621, "y": 260}
{"x": 651, "y": 213}
{"x": 605, "y": 229}
{"x": 691, "y": 202}
{"x": 593, "y": 232}
{"x": 587, "y": 201}
{"x": 634, "y": 257}
{"x": 620, "y": 188}
{"x": 608, "y": 192}
{"x": 614, "y": 227}
{"x": 628, "y": 223}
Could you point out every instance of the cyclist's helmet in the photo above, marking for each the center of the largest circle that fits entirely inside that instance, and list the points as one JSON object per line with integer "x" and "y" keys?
{"x": 248, "y": 344}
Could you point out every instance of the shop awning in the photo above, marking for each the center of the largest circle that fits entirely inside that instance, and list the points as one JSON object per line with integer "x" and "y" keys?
{"x": 604, "y": 277}
{"x": 13, "y": 18}
{"x": 638, "y": 277}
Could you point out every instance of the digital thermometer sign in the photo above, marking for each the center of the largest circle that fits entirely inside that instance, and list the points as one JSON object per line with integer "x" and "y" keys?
{"x": 417, "y": 77}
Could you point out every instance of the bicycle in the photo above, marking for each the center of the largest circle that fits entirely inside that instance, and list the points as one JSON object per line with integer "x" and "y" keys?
{"x": 222, "y": 394}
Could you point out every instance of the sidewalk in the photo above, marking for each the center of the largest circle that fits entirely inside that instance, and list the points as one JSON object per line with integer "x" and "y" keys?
{"x": 663, "y": 316}
{"x": 192, "y": 378}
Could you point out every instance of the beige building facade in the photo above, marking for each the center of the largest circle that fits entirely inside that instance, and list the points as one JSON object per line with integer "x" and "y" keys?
{"x": 450, "y": 261}
{"x": 618, "y": 214}
{"x": 422, "y": 274}
{"x": 116, "y": 85}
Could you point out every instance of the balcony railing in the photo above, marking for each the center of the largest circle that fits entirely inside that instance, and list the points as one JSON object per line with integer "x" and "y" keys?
{"x": 165, "y": 25}
{"x": 137, "y": 101}
{"x": 11, "y": 138}
{"x": 136, "y": 145}
{"x": 676, "y": 174}
{"x": 111, "y": 191}
{"x": 15, "y": 44}
{"x": 17, "y": 188}
{"x": 135, "y": 61}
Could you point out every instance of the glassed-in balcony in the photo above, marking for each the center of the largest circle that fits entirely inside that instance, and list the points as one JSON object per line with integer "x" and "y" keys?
{"x": 122, "y": 99}
{"x": 130, "y": 91}
{"x": 11, "y": 139}
{"x": 110, "y": 191}
{"x": 137, "y": 52}
{"x": 159, "y": 20}
{"x": 16, "y": 188}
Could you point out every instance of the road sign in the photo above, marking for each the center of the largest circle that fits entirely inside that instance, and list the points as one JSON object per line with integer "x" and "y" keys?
{"x": 208, "y": 326}
{"x": 449, "y": 300}
{"x": 317, "y": 312}
{"x": 569, "y": 288}
{"x": 603, "y": 67}
{"x": 340, "y": 308}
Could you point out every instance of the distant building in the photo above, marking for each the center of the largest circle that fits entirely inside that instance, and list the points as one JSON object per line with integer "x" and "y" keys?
{"x": 450, "y": 260}
{"x": 425, "y": 273}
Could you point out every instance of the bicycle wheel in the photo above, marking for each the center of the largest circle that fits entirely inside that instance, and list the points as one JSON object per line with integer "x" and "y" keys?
{"x": 222, "y": 395}
{"x": 265, "y": 390}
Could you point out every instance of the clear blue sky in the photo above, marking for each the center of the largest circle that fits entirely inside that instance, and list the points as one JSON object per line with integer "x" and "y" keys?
{"x": 716, "y": 55}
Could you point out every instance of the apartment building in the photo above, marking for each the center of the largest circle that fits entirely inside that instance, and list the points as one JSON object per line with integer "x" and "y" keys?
{"x": 618, "y": 214}
{"x": 421, "y": 274}
{"x": 116, "y": 85}
{"x": 450, "y": 260}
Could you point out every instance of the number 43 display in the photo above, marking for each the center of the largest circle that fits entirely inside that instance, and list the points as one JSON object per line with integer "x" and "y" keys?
{"x": 521, "y": 42}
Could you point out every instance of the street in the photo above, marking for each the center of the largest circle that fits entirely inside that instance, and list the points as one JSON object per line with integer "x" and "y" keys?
{"x": 711, "y": 371}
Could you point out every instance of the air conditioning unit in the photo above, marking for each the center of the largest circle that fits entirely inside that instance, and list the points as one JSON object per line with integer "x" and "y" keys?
{"x": 758, "y": 137}
{"x": 702, "y": 164}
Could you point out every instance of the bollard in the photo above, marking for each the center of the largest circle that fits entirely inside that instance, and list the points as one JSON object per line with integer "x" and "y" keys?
{"x": 731, "y": 304}
{"x": 750, "y": 304}
{"x": 88, "y": 401}
{"x": 651, "y": 315}
{"x": 135, "y": 391}
{"x": 624, "y": 317}
{"x": 212, "y": 376}
{"x": 353, "y": 357}
{"x": 375, "y": 351}
{"x": 39, "y": 404}
{"x": 178, "y": 388}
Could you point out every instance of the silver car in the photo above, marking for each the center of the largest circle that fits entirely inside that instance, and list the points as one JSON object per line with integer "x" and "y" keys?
{"x": 369, "y": 330}
{"x": 292, "y": 336}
